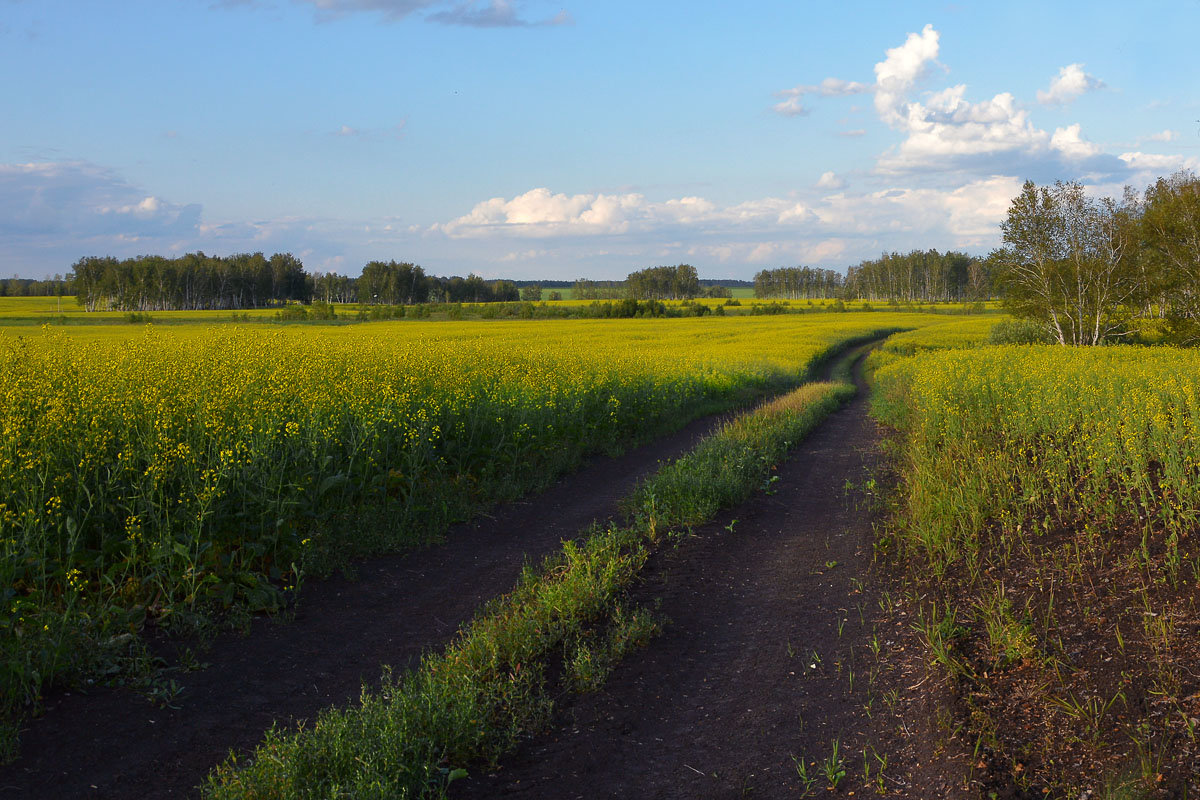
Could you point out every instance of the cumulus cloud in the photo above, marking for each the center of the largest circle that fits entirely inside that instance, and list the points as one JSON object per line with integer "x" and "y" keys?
{"x": 1151, "y": 165}
{"x": 830, "y": 180}
{"x": 1071, "y": 143}
{"x": 1069, "y": 84}
{"x": 947, "y": 133}
{"x": 1164, "y": 136}
{"x": 900, "y": 71}
{"x": 542, "y": 213}
{"x": 472, "y": 13}
{"x": 791, "y": 106}
{"x": 967, "y": 216}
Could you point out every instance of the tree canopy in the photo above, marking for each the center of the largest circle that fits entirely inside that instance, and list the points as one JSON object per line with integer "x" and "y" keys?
{"x": 1086, "y": 267}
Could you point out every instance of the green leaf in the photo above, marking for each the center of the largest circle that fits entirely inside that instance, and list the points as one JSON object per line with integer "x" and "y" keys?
{"x": 331, "y": 482}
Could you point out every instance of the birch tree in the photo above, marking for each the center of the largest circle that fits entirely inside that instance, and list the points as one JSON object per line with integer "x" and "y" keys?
{"x": 1068, "y": 261}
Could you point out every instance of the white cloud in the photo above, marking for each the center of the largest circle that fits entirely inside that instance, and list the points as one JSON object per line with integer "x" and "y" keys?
{"x": 1069, "y": 84}
{"x": 946, "y": 133}
{"x": 830, "y": 180}
{"x": 1165, "y": 136}
{"x": 900, "y": 71}
{"x": 542, "y": 213}
{"x": 1071, "y": 144}
{"x": 967, "y": 216}
{"x": 830, "y": 87}
{"x": 837, "y": 227}
{"x": 769, "y": 253}
{"x": 791, "y": 107}
{"x": 1158, "y": 164}
{"x": 524, "y": 255}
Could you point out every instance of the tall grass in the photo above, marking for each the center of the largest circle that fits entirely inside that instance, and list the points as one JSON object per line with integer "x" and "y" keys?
{"x": 1051, "y": 497}
{"x": 1005, "y": 432}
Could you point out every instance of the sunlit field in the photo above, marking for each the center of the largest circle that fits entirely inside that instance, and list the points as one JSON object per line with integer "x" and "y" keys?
{"x": 166, "y": 471}
{"x": 1052, "y": 495}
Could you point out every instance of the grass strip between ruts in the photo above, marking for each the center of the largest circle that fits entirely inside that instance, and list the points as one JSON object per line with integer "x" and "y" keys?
{"x": 563, "y": 628}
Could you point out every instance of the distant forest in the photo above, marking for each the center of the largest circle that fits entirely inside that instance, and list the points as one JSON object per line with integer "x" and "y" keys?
{"x": 252, "y": 280}
{"x": 922, "y": 276}
{"x": 28, "y": 287}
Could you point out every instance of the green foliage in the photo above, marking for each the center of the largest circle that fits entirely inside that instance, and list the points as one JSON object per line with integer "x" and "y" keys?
{"x": 798, "y": 282}
{"x": 920, "y": 276}
{"x": 1089, "y": 269}
{"x": 1171, "y": 260}
{"x": 1020, "y": 331}
{"x": 679, "y": 282}
{"x": 194, "y": 280}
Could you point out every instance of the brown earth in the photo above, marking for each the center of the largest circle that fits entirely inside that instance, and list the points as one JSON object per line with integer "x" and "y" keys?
{"x": 116, "y": 744}
{"x": 765, "y": 661}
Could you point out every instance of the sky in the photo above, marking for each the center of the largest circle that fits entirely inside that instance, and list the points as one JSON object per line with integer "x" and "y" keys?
{"x": 558, "y": 139}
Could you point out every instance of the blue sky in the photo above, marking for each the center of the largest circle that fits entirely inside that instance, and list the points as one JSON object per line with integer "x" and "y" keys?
{"x": 538, "y": 139}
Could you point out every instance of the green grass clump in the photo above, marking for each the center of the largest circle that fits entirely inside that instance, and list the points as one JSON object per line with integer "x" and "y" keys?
{"x": 726, "y": 468}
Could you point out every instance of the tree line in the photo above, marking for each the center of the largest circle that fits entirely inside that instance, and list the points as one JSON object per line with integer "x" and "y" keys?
{"x": 798, "y": 283}
{"x": 404, "y": 283}
{"x": 920, "y": 276}
{"x": 27, "y": 287}
{"x": 1088, "y": 269}
{"x": 252, "y": 280}
{"x": 191, "y": 282}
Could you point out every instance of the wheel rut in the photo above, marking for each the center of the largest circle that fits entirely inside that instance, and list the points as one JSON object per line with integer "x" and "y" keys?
{"x": 769, "y": 611}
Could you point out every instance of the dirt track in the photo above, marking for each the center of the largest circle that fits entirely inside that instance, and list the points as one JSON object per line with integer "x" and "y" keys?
{"x": 766, "y": 657}
{"x": 114, "y": 744}
{"x": 766, "y": 624}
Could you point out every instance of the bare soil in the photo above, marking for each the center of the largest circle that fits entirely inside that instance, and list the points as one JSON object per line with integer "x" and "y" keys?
{"x": 766, "y": 661}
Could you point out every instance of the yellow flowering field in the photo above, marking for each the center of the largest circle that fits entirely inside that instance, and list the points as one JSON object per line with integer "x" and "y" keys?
{"x": 995, "y": 433}
{"x": 151, "y": 471}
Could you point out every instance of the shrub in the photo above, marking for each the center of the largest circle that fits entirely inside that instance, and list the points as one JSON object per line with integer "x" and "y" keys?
{"x": 1020, "y": 331}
